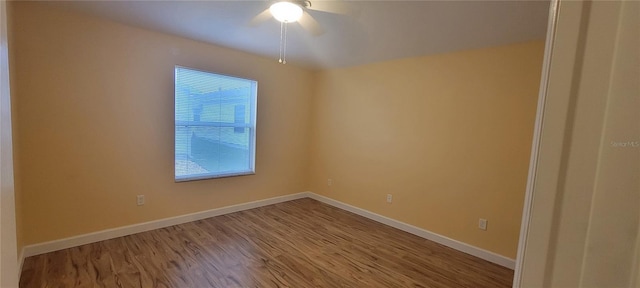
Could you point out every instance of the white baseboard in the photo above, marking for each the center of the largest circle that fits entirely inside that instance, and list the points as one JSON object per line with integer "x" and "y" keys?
{"x": 455, "y": 244}
{"x": 65, "y": 243}
{"x": 41, "y": 248}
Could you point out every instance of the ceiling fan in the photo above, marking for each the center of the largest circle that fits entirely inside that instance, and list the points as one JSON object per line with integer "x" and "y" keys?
{"x": 290, "y": 11}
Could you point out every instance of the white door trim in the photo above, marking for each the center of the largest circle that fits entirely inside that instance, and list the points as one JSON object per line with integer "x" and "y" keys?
{"x": 535, "y": 147}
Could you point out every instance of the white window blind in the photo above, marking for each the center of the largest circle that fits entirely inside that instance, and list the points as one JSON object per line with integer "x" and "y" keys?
{"x": 215, "y": 125}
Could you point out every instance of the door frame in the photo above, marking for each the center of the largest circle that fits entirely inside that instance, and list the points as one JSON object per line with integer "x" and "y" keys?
{"x": 535, "y": 147}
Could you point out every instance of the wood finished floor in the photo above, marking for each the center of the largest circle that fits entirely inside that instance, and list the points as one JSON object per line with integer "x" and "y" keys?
{"x": 301, "y": 243}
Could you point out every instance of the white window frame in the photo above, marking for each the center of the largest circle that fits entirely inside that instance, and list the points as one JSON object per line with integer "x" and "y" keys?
{"x": 251, "y": 125}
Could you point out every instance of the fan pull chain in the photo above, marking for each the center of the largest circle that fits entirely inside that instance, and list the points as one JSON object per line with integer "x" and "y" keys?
{"x": 281, "y": 40}
{"x": 283, "y": 43}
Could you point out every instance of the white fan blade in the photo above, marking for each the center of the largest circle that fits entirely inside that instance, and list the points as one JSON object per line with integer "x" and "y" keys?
{"x": 263, "y": 16}
{"x": 336, "y": 7}
{"x": 308, "y": 23}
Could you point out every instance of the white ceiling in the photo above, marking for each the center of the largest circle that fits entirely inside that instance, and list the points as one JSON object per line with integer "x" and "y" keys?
{"x": 377, "y": 30}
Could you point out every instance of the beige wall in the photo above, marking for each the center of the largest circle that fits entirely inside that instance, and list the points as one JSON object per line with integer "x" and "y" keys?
{"x": 8, "y": 249}
{"x": 448, "y": 135}
{"x": 584, "y": 223}
{"x": 94, "y": 124}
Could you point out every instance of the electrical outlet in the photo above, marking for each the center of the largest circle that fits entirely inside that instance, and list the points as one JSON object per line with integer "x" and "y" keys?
{"x": 482, "y": 224}
{"x": 140, "y": 200}
{"x": 389, "y": 198}
{"x": 329, "y": 182}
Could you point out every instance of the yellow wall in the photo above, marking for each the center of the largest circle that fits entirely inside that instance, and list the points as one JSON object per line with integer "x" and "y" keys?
{"x": 8, "y": 250}
{"x": 94, "y": 124}
{"x": 448, "y": 135}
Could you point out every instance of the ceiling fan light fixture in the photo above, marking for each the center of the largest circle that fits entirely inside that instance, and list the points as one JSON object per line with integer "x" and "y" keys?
{"x": 286, "y": 12}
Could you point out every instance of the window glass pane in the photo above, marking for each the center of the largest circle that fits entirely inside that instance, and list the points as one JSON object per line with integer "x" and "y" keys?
{"x": 215, "y": 125}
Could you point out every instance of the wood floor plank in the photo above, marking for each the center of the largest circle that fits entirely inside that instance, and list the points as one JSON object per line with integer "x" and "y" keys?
{"x": 300, "y": 243}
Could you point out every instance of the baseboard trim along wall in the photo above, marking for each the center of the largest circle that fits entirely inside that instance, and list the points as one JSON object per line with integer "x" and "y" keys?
{"x": 41, "y": 248}
{"x": 446, "y": 241}
{"x": 74, "y": 241}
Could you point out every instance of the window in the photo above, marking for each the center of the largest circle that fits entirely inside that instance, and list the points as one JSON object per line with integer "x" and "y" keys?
{"x": 215, "y": 118}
